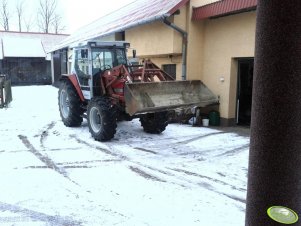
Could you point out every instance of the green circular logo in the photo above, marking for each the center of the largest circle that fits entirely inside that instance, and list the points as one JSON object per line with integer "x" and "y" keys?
{"x": 282, "y": 215}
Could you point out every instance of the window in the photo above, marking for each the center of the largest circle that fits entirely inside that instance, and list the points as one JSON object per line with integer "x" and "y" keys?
{"x": 103, "y": 59}
{"x": 170, "y": 69}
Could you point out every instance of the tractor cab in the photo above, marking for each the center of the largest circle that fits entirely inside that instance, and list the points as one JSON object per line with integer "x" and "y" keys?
{"x": 91, "y": 59}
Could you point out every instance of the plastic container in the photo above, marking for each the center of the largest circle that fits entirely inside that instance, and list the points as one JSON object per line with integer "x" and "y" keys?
{"x": 205, "y": 122}
{"x": 214, "y": 118}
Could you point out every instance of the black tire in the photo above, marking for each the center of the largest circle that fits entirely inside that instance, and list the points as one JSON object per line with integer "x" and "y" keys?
{"x": 154, "y": 122}
{"x": 69, "y": 105}
{"x": 101, "y": 115}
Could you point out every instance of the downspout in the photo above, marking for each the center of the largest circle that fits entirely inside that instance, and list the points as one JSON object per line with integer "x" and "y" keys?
{"x": 184, "y": 44}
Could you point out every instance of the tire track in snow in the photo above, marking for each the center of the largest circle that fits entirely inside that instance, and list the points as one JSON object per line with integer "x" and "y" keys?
{"x": 144, "y": 174}
{"x": 199, "y": 137}
{"x": 146, "y": 150}
{"x": 235, "y": 198}
{"x": 125, "y": 158}
{"x": 221, "y": 151}
{"x": 209, "y": 178}
{"x": 211, "y": 188}
{"x": 234, "y": 151}
{"x": 43, "y": 158}
{"x": 35, "y": 216}
{"x": 167, "y": 172}
{"x": 76, "y": 165}
{"x": 49, "y": 163}
{"x": 174, "y": 142}
{"x": 106, "y": 151}
{"x": 45, "y": 133}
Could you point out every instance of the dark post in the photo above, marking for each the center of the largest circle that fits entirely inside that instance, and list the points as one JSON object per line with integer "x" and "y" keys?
{"x": 1, "y": 92}
{"x": 275, "y": 150}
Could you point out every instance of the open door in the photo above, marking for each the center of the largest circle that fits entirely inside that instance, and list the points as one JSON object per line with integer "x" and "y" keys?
{"x": 244, "y": 91}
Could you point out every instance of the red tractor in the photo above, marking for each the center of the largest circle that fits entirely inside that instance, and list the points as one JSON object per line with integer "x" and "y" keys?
{"x": 104, "y": 87}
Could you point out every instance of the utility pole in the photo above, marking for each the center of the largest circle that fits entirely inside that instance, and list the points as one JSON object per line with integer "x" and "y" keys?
{"x": 275, "y": 149}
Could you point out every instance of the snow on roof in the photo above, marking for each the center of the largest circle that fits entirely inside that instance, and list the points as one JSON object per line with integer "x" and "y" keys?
{"x": 27, "y": 44}
{"x": 136, "y": 13}
{"x": 22, "y": 47}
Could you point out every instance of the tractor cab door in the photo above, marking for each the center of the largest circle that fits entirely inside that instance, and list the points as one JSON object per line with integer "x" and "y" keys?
{"x": 102, "y": 59}
{"x": 82, "y": 70}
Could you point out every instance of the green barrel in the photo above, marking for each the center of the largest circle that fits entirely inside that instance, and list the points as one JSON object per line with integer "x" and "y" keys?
{"x": 214, "y": 118}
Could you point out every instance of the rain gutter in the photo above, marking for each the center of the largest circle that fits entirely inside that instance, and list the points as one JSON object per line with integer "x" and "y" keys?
{"x": 184, "y": 43}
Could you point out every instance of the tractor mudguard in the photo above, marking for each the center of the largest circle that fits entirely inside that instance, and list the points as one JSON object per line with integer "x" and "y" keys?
{"x": 72, "y": 78}
{"x": 148, "y": 97}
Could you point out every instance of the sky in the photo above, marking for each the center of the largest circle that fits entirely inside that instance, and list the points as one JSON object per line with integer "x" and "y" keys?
{"x": 75, "y": 13}
{"x": 78, "y": 15}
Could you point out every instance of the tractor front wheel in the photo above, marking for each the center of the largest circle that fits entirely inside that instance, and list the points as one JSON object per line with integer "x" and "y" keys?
{"x": 69, "y": 105}
{"x": 154, "y": 122}
{"x": 101, "y": 115}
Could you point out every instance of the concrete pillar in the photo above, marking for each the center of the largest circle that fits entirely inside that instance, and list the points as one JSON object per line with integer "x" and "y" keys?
{"x": 275, "y": 150}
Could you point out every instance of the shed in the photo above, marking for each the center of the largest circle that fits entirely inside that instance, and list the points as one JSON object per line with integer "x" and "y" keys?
{"x": 24, "y": 58}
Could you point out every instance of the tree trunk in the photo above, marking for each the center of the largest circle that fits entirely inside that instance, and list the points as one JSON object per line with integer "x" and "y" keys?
{"x": 275, "y": 149}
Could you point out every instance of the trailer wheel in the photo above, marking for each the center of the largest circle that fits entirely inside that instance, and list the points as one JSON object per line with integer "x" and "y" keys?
{"x": 101, "y": 115}
{"x": 69, "y": 105}
{"x": 154, "y": 122}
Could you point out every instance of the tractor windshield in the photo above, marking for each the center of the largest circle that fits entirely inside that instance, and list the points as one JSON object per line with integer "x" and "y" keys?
{"x": 103, "y": 59}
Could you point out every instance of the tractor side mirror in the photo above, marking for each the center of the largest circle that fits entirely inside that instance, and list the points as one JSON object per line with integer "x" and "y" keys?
{"x": 134, "y": 53}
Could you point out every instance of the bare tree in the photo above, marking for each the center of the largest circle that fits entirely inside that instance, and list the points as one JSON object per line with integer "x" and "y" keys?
{"x": 57, "y": 24}
{"x": 28, "y": 22}
{"x": 19, "y": 8}
{"x": 5, "y": 15}
{"x": 46, "y": 14}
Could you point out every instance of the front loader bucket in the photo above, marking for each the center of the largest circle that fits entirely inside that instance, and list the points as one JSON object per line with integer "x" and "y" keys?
{"x": 150, "y": 97}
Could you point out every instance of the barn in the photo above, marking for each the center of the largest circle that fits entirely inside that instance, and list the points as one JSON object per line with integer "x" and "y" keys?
{"x": 24, "y": 58}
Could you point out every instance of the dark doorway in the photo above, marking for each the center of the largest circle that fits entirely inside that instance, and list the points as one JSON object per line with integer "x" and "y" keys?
{"x": 64, "y": 61}
{"x": 56, "y": 67}
{"x": 244, "y": 91}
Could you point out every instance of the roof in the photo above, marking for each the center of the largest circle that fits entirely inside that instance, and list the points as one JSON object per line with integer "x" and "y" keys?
{"x": 22, "y": 47}
{"x": 27, "y": 44}
{"x": 136, "y": 13}
{"x": 224, "y": 7}
{"x": 100, "y": 43}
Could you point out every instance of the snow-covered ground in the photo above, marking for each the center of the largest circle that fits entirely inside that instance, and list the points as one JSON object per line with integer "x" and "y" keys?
{"x": 54, "y": 175}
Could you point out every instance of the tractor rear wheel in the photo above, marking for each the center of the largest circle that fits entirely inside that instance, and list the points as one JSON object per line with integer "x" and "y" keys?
{"x": 69, "y": 105}
{"x": 101, "y": 115}
{"x": 154, "y": 122}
